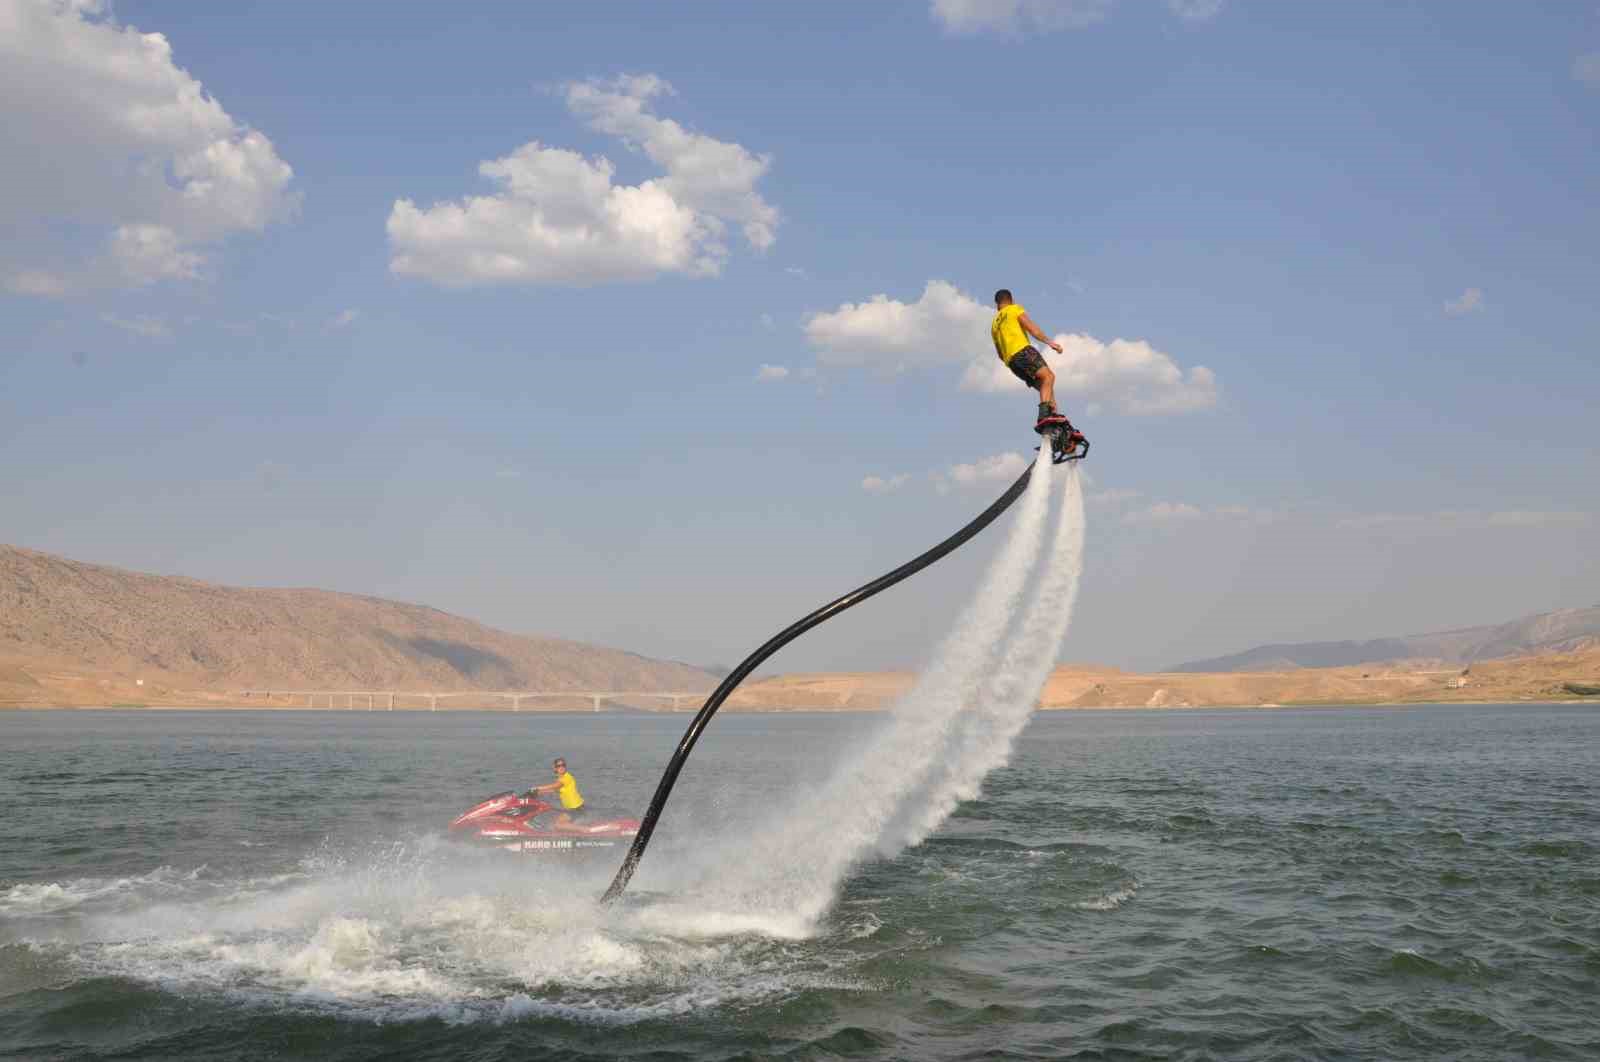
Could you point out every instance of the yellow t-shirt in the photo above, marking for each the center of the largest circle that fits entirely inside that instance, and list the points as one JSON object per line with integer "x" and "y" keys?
{"x": 569, "y": 792}
{"x": 1007, "y": 332}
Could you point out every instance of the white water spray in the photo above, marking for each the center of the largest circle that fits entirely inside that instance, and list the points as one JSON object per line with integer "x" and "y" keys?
{"x": 942, "y": 737}
{"x": 982, "y": 741}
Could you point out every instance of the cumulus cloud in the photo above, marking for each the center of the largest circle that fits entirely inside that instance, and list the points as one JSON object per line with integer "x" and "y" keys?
{"x": 772, "y": 373}
{"x": 559, "y": 217}
{"x": 946, "y": 325}
{"x": 963, "y": 17}
{"x": 107, "y": 135}
{"x": 1001, "y": 468}
{"x": 879, "y": 485}
{"x": 1586, "y": 68}
{"x": 710, "y": 176}
{"x": 144, "y": 254}
{"x": 1195, "y": 10}
{"x": 943, "y": 326}
{"x": 1129, "y": 375}
{"x": 1465, "y": 303}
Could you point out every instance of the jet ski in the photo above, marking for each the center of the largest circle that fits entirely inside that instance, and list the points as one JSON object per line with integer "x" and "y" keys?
{"x": 517, "y": 823}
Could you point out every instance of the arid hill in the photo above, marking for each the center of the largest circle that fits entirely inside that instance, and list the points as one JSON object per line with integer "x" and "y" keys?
{"x": 75, "y": 633}
{"x": 1545, "y": 676}
{"x": 1563, "y": 631}
{"x": 84, "y": 634}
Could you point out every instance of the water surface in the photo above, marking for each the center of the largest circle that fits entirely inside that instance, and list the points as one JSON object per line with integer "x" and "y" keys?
{"x": 1321, "y": 883}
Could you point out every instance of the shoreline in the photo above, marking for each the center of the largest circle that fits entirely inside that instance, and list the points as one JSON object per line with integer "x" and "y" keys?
{"x": 1554, "y": 678}
{"x": 811, "y": 709}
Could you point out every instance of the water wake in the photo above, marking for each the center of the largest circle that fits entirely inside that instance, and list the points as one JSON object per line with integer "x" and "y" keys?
{"x": 940, "y": 740}
{"x": 423, "y": 931}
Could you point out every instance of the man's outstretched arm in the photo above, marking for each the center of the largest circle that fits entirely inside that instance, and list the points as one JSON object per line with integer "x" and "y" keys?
{"x": 1033, "y": 330}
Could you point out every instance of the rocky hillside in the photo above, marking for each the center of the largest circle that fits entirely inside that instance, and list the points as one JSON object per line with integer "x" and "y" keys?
{"x": 69, "y": 626}
{"x": 1567, "y": 630}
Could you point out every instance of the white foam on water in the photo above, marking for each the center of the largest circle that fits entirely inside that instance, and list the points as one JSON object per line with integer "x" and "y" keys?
{"x": 52, "y": 897}
{"x": 1111, "y": 900}
{"x": 940, "y": 740}
{"x": 423, "y": 932}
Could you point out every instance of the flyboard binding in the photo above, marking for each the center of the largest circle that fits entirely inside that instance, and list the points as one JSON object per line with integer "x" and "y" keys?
{"x": 1066, "y": 442}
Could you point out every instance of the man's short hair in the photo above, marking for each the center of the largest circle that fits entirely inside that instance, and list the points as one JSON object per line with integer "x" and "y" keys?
{"x": 1003, "y": 295}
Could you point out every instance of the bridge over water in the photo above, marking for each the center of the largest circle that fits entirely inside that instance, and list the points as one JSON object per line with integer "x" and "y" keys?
{"x": 384, "y": 700}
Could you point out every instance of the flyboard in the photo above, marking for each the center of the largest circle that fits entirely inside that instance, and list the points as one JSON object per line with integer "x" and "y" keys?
{"x": 1066, "y": 444}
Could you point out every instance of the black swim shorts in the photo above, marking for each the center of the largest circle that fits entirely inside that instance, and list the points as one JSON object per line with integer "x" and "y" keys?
{"x": 1025, "y": 364}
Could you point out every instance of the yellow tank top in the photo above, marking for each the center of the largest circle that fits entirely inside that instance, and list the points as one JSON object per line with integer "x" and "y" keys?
{"x": 1007, "y": 332}
{"x": 569, "y": 792}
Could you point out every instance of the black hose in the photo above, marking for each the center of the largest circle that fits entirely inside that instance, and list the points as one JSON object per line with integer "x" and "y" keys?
{"x": 778, "y": 641}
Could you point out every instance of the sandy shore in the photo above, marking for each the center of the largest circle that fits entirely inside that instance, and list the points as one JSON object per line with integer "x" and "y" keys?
{"x": 1545, "y": 677}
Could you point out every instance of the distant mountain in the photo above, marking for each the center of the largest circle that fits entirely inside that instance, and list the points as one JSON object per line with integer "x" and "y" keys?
{"x": 71, "y": 620}
{"x": 1549, "y": 632}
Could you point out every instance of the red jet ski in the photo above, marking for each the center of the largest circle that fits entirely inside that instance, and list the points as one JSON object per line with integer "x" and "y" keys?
{"x": 520, "y": 823}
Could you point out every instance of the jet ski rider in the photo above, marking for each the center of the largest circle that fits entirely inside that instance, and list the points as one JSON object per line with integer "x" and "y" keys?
{"x": 566, "y": 789}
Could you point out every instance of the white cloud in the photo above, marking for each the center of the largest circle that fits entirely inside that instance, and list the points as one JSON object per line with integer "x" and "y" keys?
{"x": 943, "y": 326}
{"x": 1195, "y": 10}
{"x": 1586, "y": 68}
{"x": 1001, "y": 468}
{"x": 713, "y": 177}
{"x": 144, "y": 254}
{"x": 143, "y": 325}
{"x": 946, "y": 325}
{"x": 1129, "y": 375}
{"x": 558, "y": 218}
{"x": 1013, "y": 16}
{"x": 772, "y": 373}
{"x": 879, "y": 485}
{"x": 1466, "y": 302}
{"x": 106, "y": 134}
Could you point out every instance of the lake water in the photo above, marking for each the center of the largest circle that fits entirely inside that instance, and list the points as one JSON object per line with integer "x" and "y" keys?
{"x": 1319, "y": 883}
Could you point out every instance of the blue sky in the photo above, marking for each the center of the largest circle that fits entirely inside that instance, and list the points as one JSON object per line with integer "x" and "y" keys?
{"x": 1327, "y": 272}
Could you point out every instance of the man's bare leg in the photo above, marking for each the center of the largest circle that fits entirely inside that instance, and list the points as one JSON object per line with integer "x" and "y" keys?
{"x": 1047, "y": 386}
